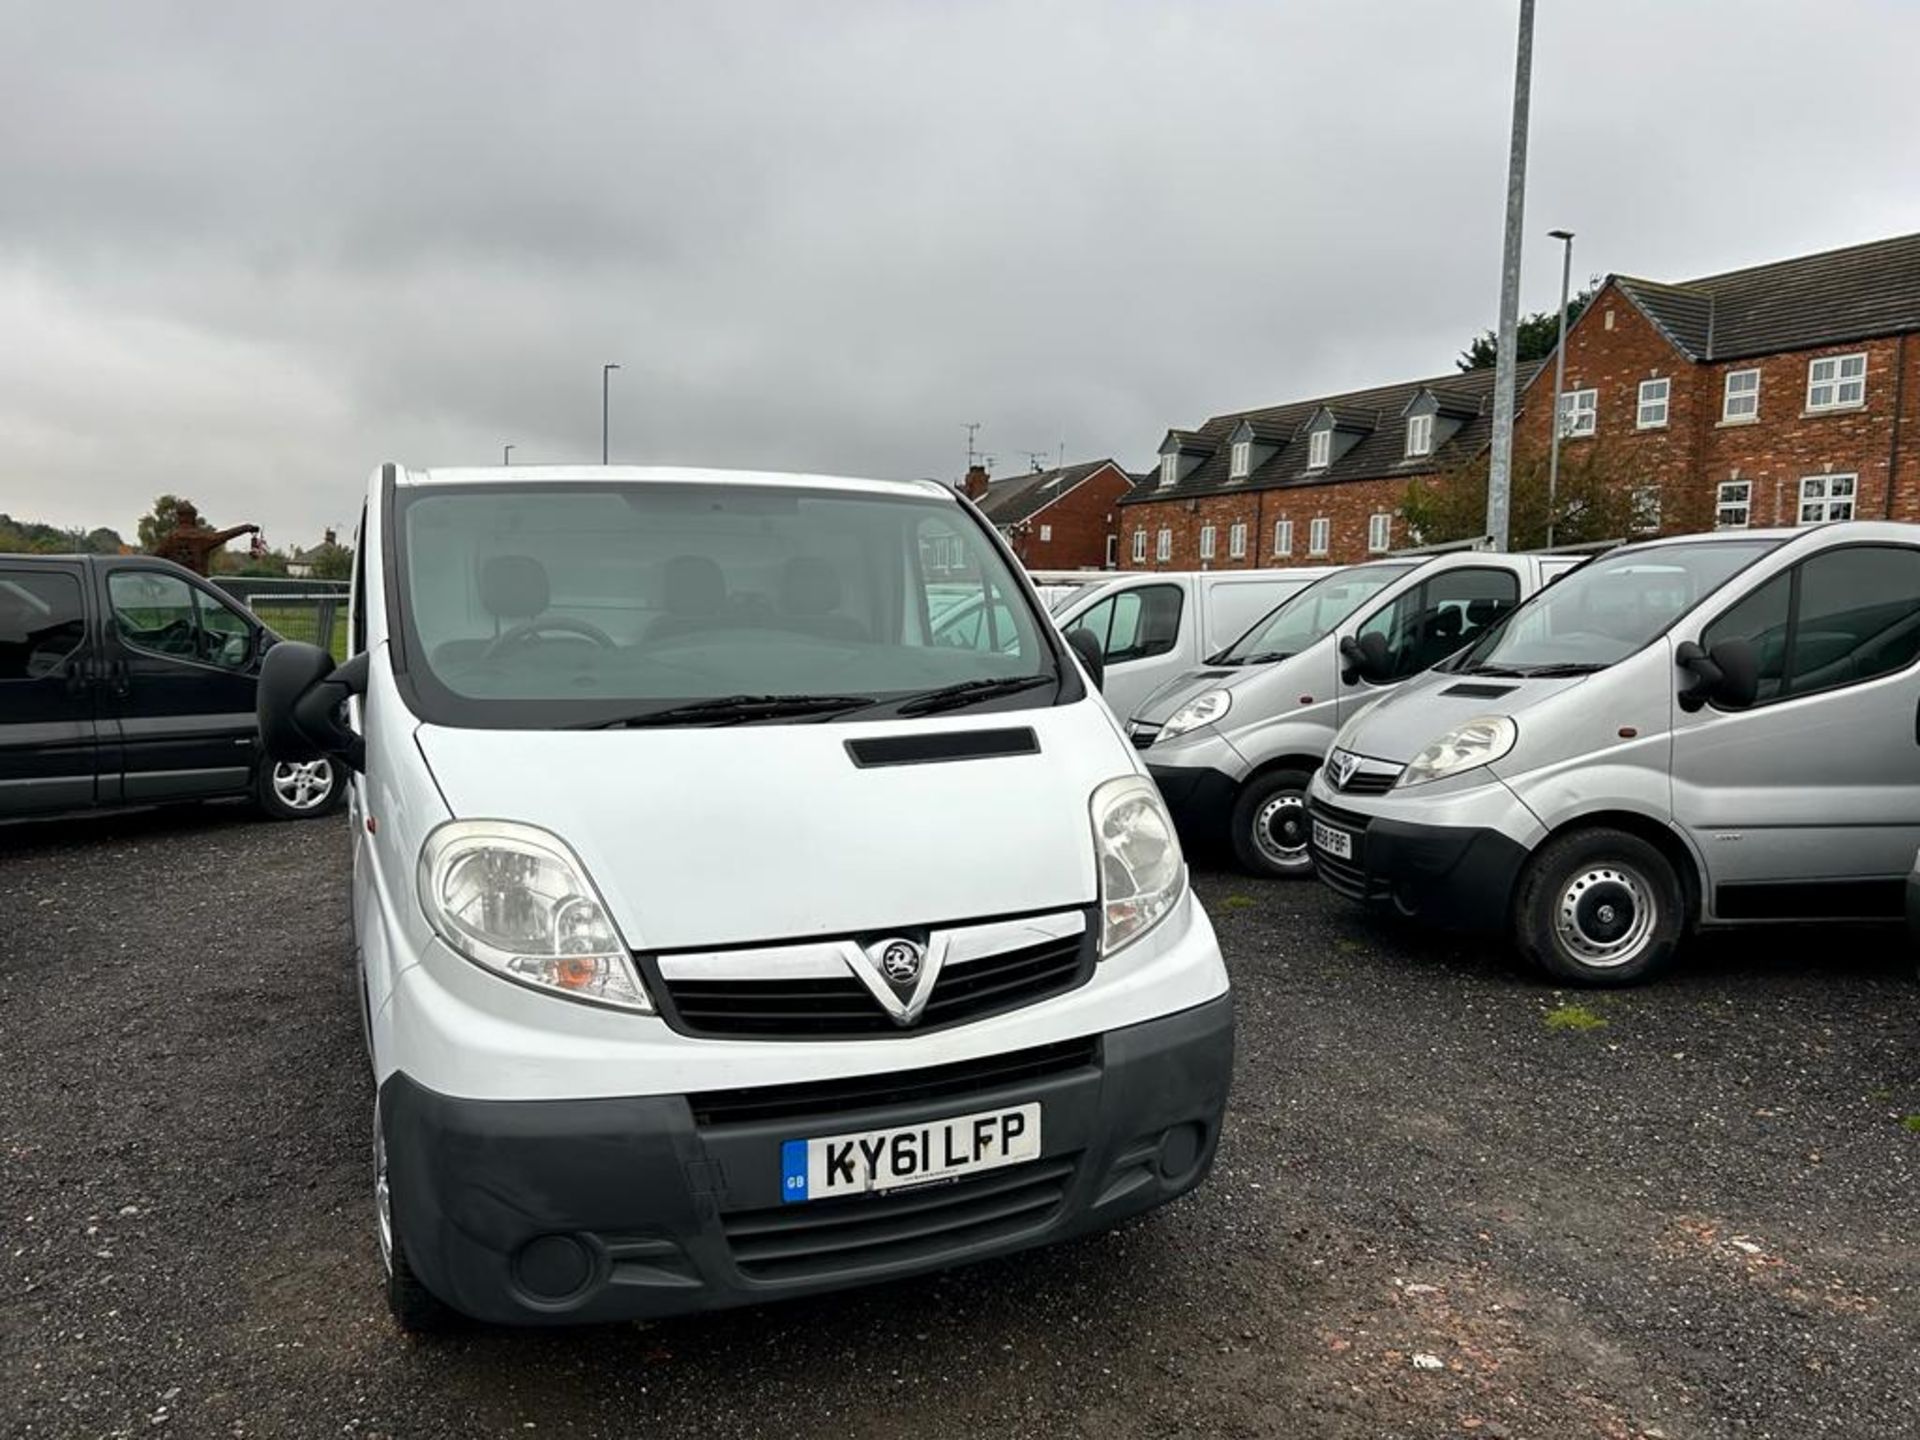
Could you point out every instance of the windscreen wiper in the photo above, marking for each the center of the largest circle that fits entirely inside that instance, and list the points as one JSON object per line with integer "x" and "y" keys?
{"x": 1570, "y": 667}
{"x": 736, "y": 710}
{"x": 1514, "y": 671}
{"x": 1266, "y": 657}
{"x": 968, "y": 692}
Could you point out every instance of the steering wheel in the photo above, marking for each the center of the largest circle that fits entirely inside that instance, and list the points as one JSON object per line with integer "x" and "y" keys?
{"x": 520, "y": 634}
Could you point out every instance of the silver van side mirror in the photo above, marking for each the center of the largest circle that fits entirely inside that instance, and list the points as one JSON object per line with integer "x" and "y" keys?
{"x": 1728, "y": 675}
{"x": 1366, "y": 658}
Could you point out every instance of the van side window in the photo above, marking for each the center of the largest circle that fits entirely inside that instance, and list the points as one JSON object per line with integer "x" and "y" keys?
{"x": 1424, "y": 625}
{"x": 164, "y": 615}
{"x": 357, "y": 600}
{"x": 1135, "y": 624}
{"x": 1760, "y": 618}
{"x": 1839, "y": 618}
{"x": 41, "y": 623}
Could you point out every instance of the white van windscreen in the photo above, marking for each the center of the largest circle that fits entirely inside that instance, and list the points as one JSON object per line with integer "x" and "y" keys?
{"x": 1608, "y": 608}
{"x": 1309, "y": 615}
{"x": 559, "y": 604}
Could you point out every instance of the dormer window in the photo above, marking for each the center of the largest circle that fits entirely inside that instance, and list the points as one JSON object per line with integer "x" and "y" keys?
{"x": 1320, "y": 448}
{"x": 1419, "y": 435}
{"x": 1169, "y": 470}
{"x": 1241, "y": 464}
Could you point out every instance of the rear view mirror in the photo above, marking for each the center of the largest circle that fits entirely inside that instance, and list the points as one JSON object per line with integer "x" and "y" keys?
{"x": 1091, "y": 656}
{"x": 1367, "y": 658}
{"x": 1728, "y": 675}
{"x": 300, "y": 700}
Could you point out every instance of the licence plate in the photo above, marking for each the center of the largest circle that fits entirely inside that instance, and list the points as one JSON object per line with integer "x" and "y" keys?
{"x": 1337, "y": 843}
{"x": 868, "y": 1160}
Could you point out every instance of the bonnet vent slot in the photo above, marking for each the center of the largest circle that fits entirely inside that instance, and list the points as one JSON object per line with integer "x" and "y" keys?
{"x": 1470, "y": 691}
{"x": 942, "y": 745}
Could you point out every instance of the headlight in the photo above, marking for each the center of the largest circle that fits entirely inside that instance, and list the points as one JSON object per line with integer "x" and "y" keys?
{"x": 1201, "y": 710}
{"x": 515, "y": 900}
{"x": 1141, "y": 870}
{"x": 1479, "y": 741}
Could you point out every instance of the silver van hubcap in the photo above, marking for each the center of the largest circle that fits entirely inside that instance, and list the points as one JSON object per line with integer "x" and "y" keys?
{"x": 1280, "y": 829}
{"x": 382, "y": 1197}
{"x": 1605, "y": 915}
{"x": 303, "y": 786}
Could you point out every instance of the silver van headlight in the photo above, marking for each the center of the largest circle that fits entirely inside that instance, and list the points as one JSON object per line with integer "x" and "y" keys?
{"x": 514, "y": 899}
{"x": 1479, "y": 741}
{"x": 1142, "y": 872}
{"x": 1201, "y": 710}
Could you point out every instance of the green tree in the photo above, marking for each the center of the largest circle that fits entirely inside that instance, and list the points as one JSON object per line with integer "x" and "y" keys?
{"x": 333, "y": 562}
{"x": 1600, "y": 496}
{"x": 1535, "y": 336}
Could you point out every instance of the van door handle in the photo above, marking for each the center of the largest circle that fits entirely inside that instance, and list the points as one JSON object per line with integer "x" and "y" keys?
{"x": 117, "y": 678}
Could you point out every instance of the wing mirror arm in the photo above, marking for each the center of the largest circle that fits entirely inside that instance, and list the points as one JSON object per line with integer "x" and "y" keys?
{"x": 1728, "y": 675}
{"x": 1366, "y": 658}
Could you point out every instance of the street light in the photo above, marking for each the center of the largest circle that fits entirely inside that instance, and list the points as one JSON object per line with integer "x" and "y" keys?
{"x": 605, "y": 371}
{"x": 506, "y": 454}
{"x": 1565, "y": 237}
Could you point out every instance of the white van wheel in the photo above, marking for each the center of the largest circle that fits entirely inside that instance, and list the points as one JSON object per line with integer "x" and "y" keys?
{"x": 1270, "y": 825}
{"x": 1599, "y": 907}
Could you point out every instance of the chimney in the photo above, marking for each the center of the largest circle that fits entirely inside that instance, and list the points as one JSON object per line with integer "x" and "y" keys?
{"x": 975, "y": 485}
{"x": 327, "y": 537}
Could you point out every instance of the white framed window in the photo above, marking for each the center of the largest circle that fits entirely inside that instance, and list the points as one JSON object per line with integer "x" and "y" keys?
{"x": 1827, "y": 497}
{"x": 1646, "y": 509}
{"x": 1206, "y": 542}
{"x": 1740, "y": 400}
{"x": 1283, "y": 537}
{"x": 1654, "y": 394}
{"x": 1319, "y": 449}
{"x": 1579, "y": 412}
{"x": 1419, "y": 435}
{"x": 1163, "y": 544}
{"x": 1379, "y": 532}
{"x": 1242, "y": 460}
{"x": 1838, "y": 382}
{"x": 1733, "y": 504}
{"x": 1237, "y": 541}
{"x": 1319, "y": 535}
{"x": 1139, "y": 547}
{"x": 1046, "y": 533}
{"x": 1169, "y": 470}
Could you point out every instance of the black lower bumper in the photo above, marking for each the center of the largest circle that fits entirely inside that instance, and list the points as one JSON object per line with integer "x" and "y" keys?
{"x": 1454, "y": 876}
{"x": 549, "y": 1211}
{"x": 1200, "y": 800}
{"x": 1913, "y": 904}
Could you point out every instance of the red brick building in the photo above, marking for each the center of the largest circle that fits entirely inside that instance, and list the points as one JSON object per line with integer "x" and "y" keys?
{"x": 1315, "y": 482}
{"x": 1059, "y": 519}
{"x": 1781, "y": 394}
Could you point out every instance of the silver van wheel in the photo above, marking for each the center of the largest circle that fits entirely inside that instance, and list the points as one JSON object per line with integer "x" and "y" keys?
{"x": 382, "y": 1193}
{"x": 1605, "y": 915}
{"x": 1280, "y": 829}
{"x": 303, "y": 786}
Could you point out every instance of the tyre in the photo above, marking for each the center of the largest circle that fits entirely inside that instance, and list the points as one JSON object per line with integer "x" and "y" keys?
{"x": 299, "y": 790}
{"x": 1270, "y": 826}
{"x": 1599, "y": 907}
{"x": 415, "y": 1308}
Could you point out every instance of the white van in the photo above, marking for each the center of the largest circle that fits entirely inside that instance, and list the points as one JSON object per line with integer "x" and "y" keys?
{"x": 1232, "y": 743}
{"x": 1150, "y": 625}
{"x": 722, "y": 938}
{"x": 1701, "y": 731}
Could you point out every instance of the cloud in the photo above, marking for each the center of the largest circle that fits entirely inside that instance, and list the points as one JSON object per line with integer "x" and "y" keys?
{"x": 250, "y": 251}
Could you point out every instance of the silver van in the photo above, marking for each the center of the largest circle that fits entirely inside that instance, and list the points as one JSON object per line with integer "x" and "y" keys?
{"x": 1232, "y": 743}
{"x": 1701, "y": 731}
{"x": 1151, "y": 625}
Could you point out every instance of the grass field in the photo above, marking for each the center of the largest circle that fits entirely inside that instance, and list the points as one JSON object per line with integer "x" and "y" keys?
{"x": 301, "y": 622}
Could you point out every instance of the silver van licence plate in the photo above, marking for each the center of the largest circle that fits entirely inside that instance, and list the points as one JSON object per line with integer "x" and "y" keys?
{"x": 868, "y": 1160}
{"x": 1337, "y": 843}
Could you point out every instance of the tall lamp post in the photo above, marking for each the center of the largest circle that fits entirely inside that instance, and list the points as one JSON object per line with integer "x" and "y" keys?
{"x": 605, "y": 371}
{"x": 1500, "y": 461}
{"x": 506, "y": 454}
{"x": 1565, "y": 237}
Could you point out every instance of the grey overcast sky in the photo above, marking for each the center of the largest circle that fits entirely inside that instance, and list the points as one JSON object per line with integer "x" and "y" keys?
{"x": 249, "y": 250}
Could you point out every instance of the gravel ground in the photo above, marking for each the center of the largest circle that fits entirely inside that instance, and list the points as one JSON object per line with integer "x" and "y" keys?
{"x": 1447, "y": 1203}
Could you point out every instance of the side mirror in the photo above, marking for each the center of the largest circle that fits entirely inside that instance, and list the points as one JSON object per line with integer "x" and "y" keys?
{"x": 1728, "y": 674}
{"x": 300, "y": 700}
{"x": 1088, "y": 649}
{"x": 1366, "y": 657}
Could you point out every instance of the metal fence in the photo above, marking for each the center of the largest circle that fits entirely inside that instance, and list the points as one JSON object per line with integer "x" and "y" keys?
{"x": 311, "y": 610}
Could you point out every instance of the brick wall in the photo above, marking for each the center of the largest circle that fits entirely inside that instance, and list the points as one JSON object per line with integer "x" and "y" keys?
{"x": 1347, "y": 508}
{"x": 1076, "y": 525}
{"x": 1613, "y": 347}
